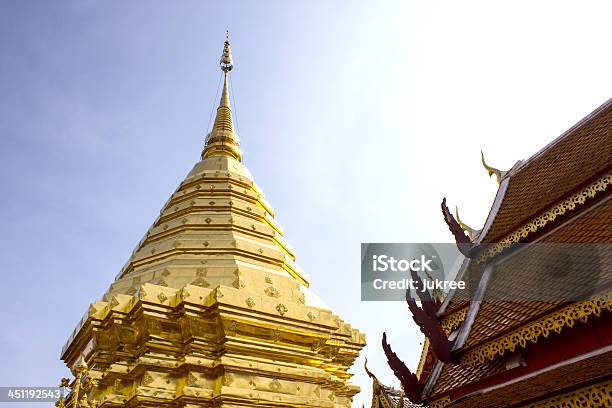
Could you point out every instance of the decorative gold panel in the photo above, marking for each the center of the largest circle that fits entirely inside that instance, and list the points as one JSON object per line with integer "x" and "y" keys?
{"x": 597, "y": 395}
{"x": 440, "y": 403}
{"x": 451, "y": 322}
{"x": 543, "y": 327}
{"x": 549, "y": 216}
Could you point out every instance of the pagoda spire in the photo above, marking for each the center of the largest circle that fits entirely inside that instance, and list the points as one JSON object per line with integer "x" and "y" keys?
{"x": 213, "y": 270}
{"x": 222, "y": 140}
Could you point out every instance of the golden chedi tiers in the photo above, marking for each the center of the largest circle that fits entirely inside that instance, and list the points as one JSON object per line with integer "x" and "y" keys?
{"x": 211, "y": 308}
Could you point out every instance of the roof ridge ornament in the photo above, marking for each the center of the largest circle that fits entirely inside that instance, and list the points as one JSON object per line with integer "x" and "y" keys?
{"x": 499, "y": 175}
{"x": 464, "y": 243}
{"x": 472, "y": 233}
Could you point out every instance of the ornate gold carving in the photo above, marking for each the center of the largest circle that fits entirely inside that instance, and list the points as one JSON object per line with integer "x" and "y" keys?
{"x": 250, "y": 302}
{"x": 281, "y": 309}
{"x": 162, "y": 297}
{"x": 275, "y": 335}
{"x": 114, "y": 302}
{"x": 557, "y": 210}
{"x": 272, "y": 292}
{"x": 230, "y": 327}
{"x": 596, "y": 395}
{"x": 142, "y": 293}
{"x": 440, "y": 403}
{"x": 147, "y": 379}
{"x": 192, "y": 380}
{"x": 423, "y": 359}
{"x": 451, "y": 322}
{"x": 543, "y": 327}
{"x": 311, "y": 316}
{"x": 228, "y": 379}
{"x": 275, "y": 385}
{"x": 317, "y": 344}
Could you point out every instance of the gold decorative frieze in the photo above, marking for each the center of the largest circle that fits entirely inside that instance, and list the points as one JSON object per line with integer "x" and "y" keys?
{"x": 452, "y": 321}
{"x": 532, "y": 332}
{"x": 559, "y": 209}
{"x": 440, "y": 403}
{"x": 596, "y": 395}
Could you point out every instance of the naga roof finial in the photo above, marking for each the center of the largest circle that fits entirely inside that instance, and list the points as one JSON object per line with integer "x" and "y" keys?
{"x": 492, "y": 170}
{"x": 469, "y": 230}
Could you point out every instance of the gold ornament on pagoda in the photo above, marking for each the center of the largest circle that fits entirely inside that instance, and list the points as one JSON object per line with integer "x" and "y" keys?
{"x": 211, "y": 308}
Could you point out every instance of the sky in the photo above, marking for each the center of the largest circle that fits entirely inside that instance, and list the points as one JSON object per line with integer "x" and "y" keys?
{"x": 356, "y": 118}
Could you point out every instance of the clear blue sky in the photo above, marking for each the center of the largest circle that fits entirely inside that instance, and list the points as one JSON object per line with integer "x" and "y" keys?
{"x": 356, "y": 118}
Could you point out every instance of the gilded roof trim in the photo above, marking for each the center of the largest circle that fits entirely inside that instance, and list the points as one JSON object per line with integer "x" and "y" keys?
{"x": 441, "y": 402}
{"x": 596, "y": 395}
{"x": 423, "y": 358}
{"x": 562, "y": 207}
{"x": 532, "y": 332}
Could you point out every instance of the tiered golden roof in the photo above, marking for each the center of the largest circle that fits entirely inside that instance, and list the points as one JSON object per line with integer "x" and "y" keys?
{"x": 211, "y": 307}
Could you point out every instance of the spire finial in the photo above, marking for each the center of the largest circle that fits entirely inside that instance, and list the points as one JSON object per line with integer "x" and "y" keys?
{"x": 227, "y": 62}
{"x": 222, "y": 141}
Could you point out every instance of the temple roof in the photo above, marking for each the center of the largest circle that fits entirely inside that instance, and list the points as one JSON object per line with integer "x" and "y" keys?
{"x": 561, "y": 195}
{"x": 579, "y": 155}
{"x": 387, "y": 397}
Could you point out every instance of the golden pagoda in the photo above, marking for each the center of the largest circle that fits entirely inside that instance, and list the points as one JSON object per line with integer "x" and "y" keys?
{"x": 211, "y": 308}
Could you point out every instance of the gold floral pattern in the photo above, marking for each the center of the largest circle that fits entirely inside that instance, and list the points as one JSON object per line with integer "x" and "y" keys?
{"x": 543, "y": 327}
{"x": 596, "y": 395}
{"x": 562, "y": 207}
